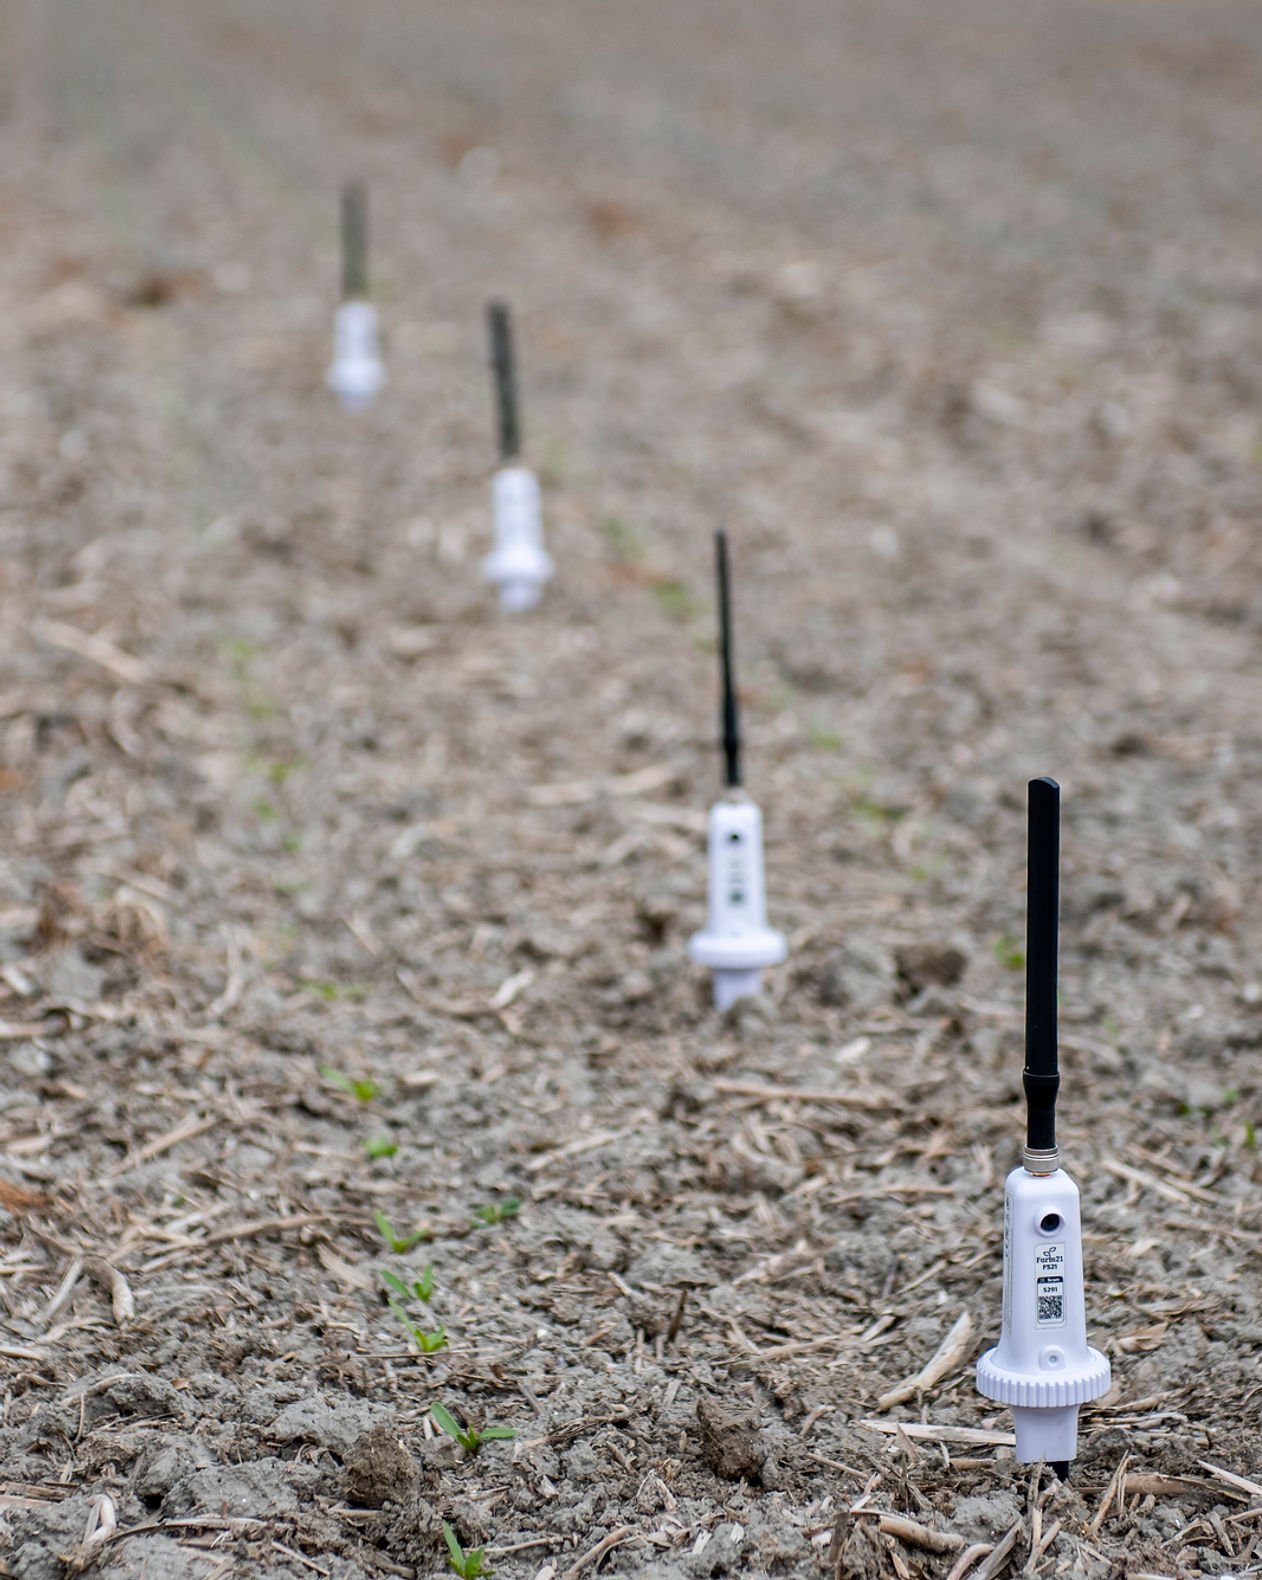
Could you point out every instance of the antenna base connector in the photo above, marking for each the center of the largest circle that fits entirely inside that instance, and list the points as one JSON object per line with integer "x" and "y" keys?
{"x": 1040, "y": 1160}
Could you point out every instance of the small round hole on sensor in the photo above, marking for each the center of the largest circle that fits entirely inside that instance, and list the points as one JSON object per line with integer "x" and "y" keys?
{"x": 1050, "y": 1223}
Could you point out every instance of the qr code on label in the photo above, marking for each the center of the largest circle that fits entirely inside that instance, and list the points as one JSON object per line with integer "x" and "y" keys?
{"x": 1051, "y": 1308}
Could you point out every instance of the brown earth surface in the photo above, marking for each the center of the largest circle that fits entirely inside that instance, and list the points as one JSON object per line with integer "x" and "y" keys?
{"x": 326, "y": 892}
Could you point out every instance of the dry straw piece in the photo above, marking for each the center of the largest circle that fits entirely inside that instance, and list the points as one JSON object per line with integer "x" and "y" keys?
{"x": 948, "y": 1355}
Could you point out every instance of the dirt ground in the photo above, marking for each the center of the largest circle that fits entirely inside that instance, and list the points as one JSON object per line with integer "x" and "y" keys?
{"x": 328, "y": 893}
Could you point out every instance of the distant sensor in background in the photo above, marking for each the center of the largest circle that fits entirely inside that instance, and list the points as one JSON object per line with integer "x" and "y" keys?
{"x": 518, "y": 565}
{"x": 356, "y": 373}
{"x": 736, "y": 943}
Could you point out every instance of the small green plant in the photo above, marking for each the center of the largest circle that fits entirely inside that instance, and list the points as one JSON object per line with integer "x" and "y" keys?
{"x": 469, "y": 1437}
{"x": 877, "y": 814}
{"x": 240, "y": 652}
{"x": 400, "y": 1244}
{"x": 1009, "y": 953}
{"x": 623, "y": 539}
{"x": 824, "y": 739}
{"x": 675, "y": 599}
{"x": 498, "y": 1211}
{"x": 380, "y": 1146}
{"x": 330, "y": 992}
{"x": 1206, "y": 1110}
{"x": 427, "y": 1342}
{"x": 469, "y": 1565}
{"x": 361, "y": 1089}
{"x": 420, "y": 1289}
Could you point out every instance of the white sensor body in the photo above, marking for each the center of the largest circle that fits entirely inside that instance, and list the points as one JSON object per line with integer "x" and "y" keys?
{"x": 1043, "y": 1367}
{"x": 736, "y": 943}
{"x": 517, "y": 565}
{"x": 356, "y": 372}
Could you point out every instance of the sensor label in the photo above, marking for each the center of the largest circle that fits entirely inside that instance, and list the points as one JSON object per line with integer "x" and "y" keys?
{"x": 1049, "y": 1286}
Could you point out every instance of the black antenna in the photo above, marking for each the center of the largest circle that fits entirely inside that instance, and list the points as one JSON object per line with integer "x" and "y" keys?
{"x": 730, "y": 725}
{"x": 1041, "y": 1077}
{"x": 505, "y": 380}
{"x": 354, "y": 241}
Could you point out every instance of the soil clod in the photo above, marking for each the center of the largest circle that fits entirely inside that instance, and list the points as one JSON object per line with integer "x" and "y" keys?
{"x": 929, "y": 965}
{"x": 380, "y": 1469}
{"x": 730, "y": 1441}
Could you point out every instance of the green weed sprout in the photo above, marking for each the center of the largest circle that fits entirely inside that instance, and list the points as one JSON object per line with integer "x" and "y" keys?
{"x": 674, "y": 598}
{"x": 422, "y": 1289}
{"x": 363, "y": 1091}
{"x": 426, "y": 1343}
{"x": 469, "y": 1565}
{"x": 400, "y": 1244}
{"x": 330, "y": 992}
{"x": 380, "y": 1146}
{"x": 824, "y": 739}
{"x": 626, "y": 543}
{"x": 498, "y": 1211}
{"x": 469, "y": 1437}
